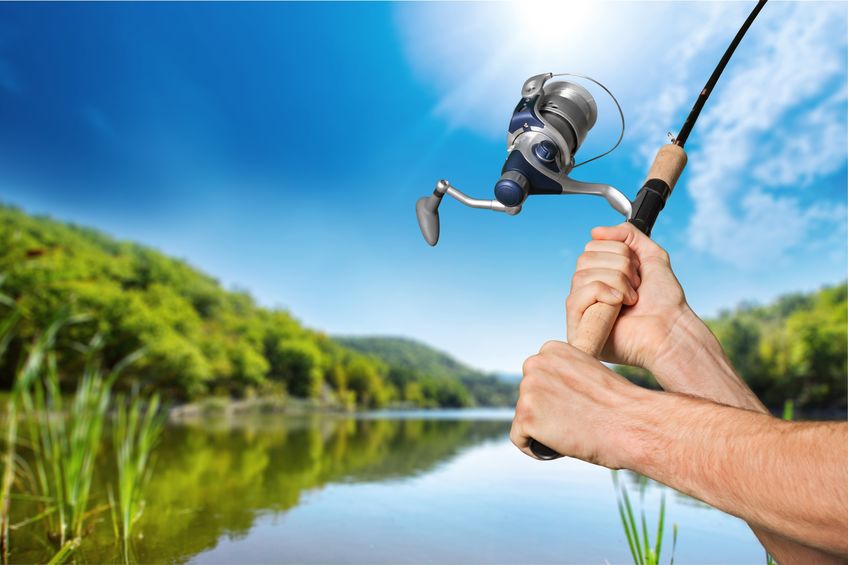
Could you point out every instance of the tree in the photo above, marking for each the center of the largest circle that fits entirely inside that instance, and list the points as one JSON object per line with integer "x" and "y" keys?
{"x": 298, "y": 364}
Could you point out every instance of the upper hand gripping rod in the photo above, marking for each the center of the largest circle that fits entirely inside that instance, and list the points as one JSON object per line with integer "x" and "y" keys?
{"x": 598, "y": 320}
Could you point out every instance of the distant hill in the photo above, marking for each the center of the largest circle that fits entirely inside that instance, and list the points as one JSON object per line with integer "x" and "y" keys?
{"x": 409, "y": 358}
{"x": 198, "y": 338}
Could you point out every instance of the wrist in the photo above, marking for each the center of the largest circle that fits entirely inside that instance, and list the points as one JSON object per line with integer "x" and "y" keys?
{"x": 640, "y": 429}
{"x": 693, "y": 362}
{"x": 686, "y": 338}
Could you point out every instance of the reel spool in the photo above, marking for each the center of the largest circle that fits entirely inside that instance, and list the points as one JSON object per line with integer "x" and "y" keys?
{"x": 547, "y": 127}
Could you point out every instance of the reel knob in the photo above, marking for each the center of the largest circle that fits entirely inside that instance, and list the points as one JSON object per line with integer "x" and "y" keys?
{"x": 546, "y": 151}
{"x": 512, "y": 188}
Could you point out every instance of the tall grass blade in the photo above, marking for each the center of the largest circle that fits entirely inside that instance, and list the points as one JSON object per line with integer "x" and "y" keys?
{"x": 135, "y": 435}
{"x": 638, "y": 539}
{"x": 649, "y": 558}
{"x": 65, "y": 552}
{"x": 660, "y": 528}
{"x": 789, "y": 410}
{"x": 673, "y": 543}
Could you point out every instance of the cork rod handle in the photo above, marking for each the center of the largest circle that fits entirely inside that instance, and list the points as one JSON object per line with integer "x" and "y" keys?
{"x": 597, "y": 322}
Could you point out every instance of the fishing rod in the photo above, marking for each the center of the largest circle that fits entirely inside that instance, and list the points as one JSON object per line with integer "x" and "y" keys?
{"x": 547, "y": 127}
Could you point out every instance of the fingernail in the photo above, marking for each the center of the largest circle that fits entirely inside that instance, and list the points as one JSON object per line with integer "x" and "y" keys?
{"x": 616, "y": 293}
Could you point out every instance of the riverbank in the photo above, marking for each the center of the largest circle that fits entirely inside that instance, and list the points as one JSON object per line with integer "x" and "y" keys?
{"x": 223, "y": 407}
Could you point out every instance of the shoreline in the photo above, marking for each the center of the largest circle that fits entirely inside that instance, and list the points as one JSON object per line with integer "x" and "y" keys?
{"x": 223, "y": 407}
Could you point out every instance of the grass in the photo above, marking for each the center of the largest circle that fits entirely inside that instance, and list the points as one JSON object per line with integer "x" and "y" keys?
{"x": 789, "y": 410}
{"x": 13, "y": 468}
{"x": 135, "y": 434}
{"x": 64, "y": 439}
{"x": 638, "y": 538}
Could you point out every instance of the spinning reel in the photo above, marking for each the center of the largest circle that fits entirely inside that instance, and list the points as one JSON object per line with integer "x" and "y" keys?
{"x": 546, "y": 129}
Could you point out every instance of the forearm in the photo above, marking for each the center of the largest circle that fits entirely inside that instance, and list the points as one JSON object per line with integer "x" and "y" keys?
{"x": 787, "y": 478}
{"x": 696, "y": 364}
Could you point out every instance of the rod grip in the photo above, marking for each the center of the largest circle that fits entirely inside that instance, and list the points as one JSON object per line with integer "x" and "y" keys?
{"x": 597, "y": 322}
{"x": 668, "y": 164}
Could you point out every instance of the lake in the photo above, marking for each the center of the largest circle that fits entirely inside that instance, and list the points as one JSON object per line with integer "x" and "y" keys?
{"x": 408, "y": 487}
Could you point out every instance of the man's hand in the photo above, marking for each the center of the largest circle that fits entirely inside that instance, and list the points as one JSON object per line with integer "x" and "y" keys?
{"x": 619, "y": 261}
{"x": 577, "y": 406}
{"x": 656, "y": 329}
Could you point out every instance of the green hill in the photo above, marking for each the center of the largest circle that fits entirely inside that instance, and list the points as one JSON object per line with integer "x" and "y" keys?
{"x": 198, "y": 338}
{"x": 413, "y": 361}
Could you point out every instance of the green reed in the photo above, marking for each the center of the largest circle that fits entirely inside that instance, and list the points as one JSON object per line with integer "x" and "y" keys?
{"x": 63, "y": 437}
{"x": 638, "y": 539}
{"x": 135, "y": 434}
{"x": 65, "y": 441}
{"x": 14, "y": 471}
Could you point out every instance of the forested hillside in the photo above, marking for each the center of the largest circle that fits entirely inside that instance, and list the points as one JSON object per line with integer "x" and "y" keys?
{"x": 415, "y": 364}
{"x": 793, "y": 349}
{"x": 197, "y": 338}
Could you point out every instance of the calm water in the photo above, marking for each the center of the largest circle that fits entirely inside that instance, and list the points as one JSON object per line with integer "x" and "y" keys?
{"x": 438, "y": 487}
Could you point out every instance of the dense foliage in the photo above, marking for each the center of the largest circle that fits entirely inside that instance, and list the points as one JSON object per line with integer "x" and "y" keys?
{"x": 439, "y": 378}
{"x": 198, "y": 339}
{"x": 793, "y": 349}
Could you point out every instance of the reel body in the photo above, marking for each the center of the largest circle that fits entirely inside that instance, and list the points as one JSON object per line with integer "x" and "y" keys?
{"x": 547, "y": 127}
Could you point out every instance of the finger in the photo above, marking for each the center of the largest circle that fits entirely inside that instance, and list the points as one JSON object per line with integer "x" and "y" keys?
{"x": 585, "y": 296}
{"x": 611, "y": 277}
{"x": 632, "y": 237}
{"x": 518, "y": 437}
{"x": 610, "y": 246}
{"x": 603, "y": 260}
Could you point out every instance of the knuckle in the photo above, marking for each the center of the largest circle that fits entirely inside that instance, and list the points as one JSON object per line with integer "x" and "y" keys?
{"x": 523, "y": 410}
{"x": 550, "y": 346}
{"x": 531, "y": 364}
{"x": 515, "y": 435}
{"x": 599, "y": 287}
{"x": 578, "y": 278}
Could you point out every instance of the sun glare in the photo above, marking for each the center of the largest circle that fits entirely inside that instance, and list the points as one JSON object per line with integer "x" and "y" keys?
{"x": 553, "y": 25}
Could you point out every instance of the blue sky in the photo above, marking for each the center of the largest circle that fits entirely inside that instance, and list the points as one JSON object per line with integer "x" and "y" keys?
{"x": 281, "y": 148}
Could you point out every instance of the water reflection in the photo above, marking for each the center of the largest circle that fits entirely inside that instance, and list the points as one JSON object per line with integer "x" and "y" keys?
{"x": 212, "y": 479}
{"x": 429, "y": 487}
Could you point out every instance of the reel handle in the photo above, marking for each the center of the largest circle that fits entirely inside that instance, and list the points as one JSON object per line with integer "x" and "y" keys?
{"x": 598, "y": 320}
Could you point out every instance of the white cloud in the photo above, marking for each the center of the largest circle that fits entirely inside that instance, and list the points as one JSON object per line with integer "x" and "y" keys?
{"x": 777, "y": 123}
